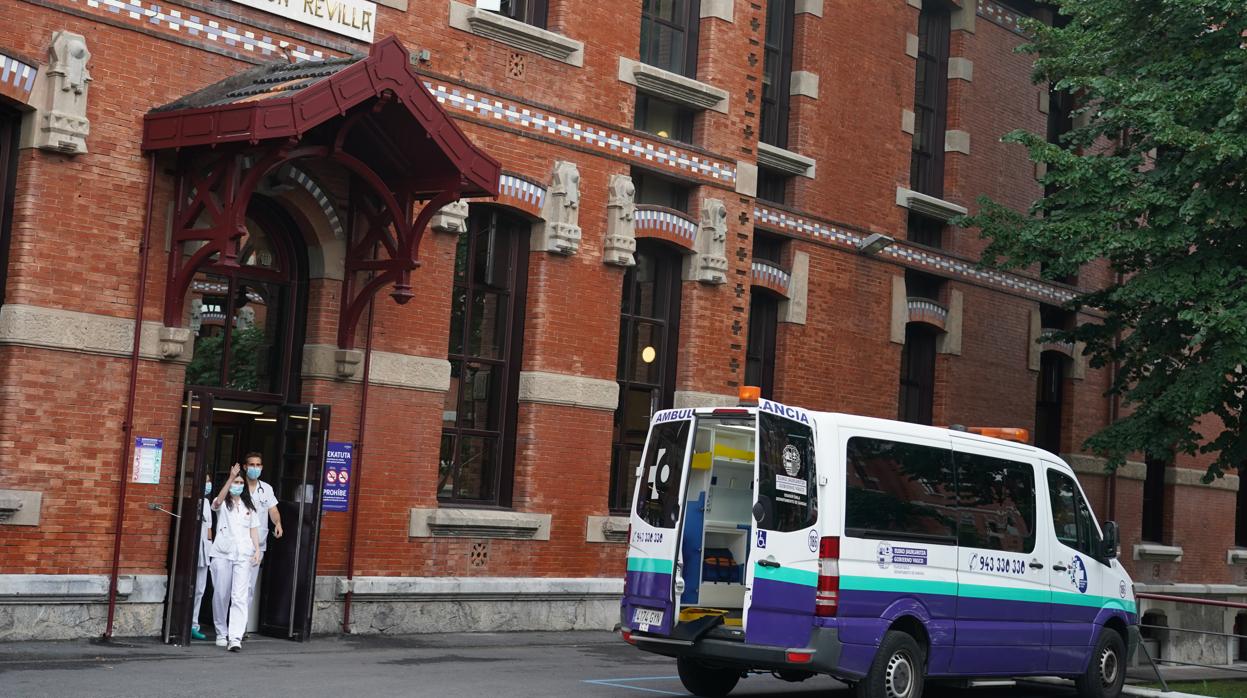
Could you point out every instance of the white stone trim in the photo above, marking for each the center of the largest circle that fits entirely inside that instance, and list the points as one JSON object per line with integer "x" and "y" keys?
{"x": 672, "y": 86}
{"x": 606, "y": 529}
{"x": 79, "y": 588}
{"x": 516, "y": 34}
{"x": 899, "y": 314}
{"x": 564, "y": 389}
{"x": 794, "y": 308}
{"x": 1217, "y": 589}
{"x": 387, "y": 369}
{"x": 1189, "y": 477}
{"x": 916, "y": 4}
{"x": 746, "y": 178}
{"x": 786, "y": 161}
{"x": 1155, "y": 552}
{"x": 907, "y": 121}
{"x": 86, "y": 333}
{"x": 718, "y": 9}
{"x": 960, "y": 68}
{"x": 1235, "y": 556}
{"x": 949, "y": 341}
{"x": 911, "y": 45}
{"x": 400, "y": 5}
{"x": 471, "y": 588}
{"x": 20, "y": 507}
{"x": 957, "y": 141}
{"x": 928, "y": 205}
{"x": 478, "y": 523}
{"x": 691, "y": 398}
{"x": 808, "y": 7}
{"x": 1085, "y": 464}
{"x": 1045, "y": 100}
{"x": 803, "y": 83}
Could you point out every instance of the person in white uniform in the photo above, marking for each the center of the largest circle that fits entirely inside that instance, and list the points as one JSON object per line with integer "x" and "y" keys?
{"x": 235, "y": 550}
{"x": 265, "y": 501}
{"x": 201, "y": 567}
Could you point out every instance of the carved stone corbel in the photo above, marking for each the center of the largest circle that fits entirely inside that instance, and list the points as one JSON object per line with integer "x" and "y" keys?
{"x": 620, "y": 245}
{"x": 173, "y": 342}
{"x": 62, "y": 119}
{"x": 559, "y": 231}
{"x": 709, "y": 264}
{"x": 452, "y": 218}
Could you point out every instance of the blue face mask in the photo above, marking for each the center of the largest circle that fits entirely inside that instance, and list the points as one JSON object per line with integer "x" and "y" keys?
{"x": 235, "y": 490}
{"x": 207, "y": 488}
{"x": 253, "y": 472}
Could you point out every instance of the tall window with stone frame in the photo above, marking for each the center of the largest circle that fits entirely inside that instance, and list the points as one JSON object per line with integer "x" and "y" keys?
{"x": 1048, "y": 401}
{"x": 760, "y": 350}
{"x": 527, "y": 11}
{"x": 669, "y": 35}
{"x": 10, "y": 126}
{"x": 777, "y": 72}
{"x": 916, "y": 401}
{"x": 1154, "y": 499}
{"x": 1240, "y": 510}
{"x": 926, "y": 169}
{"x": 649, "y": 330}
{"x": 486, "y": 340}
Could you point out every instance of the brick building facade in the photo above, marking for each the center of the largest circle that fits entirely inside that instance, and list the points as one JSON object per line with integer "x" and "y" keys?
{"x": 761, "y": 187}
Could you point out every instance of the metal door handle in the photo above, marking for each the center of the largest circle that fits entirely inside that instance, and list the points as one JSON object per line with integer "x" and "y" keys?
{"x": 1036, "y": 565}
{"x": 1059, "y": 568}
{"x": 768, "y": 563}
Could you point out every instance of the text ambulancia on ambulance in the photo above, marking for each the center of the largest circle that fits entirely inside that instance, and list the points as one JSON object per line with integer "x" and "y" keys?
{"x": 769, "y": 538}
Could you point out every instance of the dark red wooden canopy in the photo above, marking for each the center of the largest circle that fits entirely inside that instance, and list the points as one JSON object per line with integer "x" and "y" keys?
{"x": 370, "y": 116}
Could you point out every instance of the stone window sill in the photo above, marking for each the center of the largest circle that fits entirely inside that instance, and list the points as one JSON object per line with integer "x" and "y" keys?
{"x": 606, "y": 529}
{"x": 1155, "y": 552}
{"x": 516, "y": 34}
{"x": 1235, "y": 556}
{"x": 928, "y": 205}
{"x": 672, "y": 86}
{"x": 478, "y": 523}
{"x": 785, "y": 161}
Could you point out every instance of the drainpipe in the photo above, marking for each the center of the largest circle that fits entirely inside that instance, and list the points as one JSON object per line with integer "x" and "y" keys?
{"x": 359, "y": 462}
{"x": 127, "y": 424}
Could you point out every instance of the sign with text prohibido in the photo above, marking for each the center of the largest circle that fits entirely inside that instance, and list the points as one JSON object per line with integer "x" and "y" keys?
{"x": 336, "y": 483}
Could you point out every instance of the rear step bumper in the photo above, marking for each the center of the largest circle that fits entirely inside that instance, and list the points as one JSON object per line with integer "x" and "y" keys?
{"x": 824, "y": 643}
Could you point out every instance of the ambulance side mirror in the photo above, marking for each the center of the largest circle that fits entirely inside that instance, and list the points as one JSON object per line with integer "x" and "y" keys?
{"x": 1112, "y": 540}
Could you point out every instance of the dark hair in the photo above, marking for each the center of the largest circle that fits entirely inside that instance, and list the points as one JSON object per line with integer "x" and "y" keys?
{"x": 245, "y": 497}
{"x": 253, "y": 454}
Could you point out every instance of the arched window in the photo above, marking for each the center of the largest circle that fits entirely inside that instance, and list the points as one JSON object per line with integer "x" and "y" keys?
{"x": 486, "y": 340}
{"x": 649, "y": 321}
{"x": 917, "y": 393}
{"x": 760, "y": 351}
{"x": 243, "y": 317}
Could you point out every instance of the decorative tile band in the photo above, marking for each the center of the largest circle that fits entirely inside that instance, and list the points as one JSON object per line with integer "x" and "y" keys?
{"x": 193, "y": 23}
{"x": 914, "y": 257}
{"x": 16, "y": 78}
{"x": 999, "y": 14}
{"x": 928, "y": 311}
{"x": 661, "y": 220}
{"x": 322, "y": 200}
{"x": 771, "y": 275}
{"x": 522, "y": 190}
{"x": 539, "y": 122}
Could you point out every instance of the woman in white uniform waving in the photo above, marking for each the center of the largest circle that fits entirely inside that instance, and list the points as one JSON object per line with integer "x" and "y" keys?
{"x": 235, "y": 549}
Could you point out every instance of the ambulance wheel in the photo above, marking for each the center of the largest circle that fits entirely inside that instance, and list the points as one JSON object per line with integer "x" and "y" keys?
{"x": 704, "y": 680}
{"x": 1106, "y": 672}
{"x": 897, "y": 671}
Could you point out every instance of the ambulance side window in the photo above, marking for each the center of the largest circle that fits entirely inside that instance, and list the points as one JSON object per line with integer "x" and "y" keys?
{"x": 900, "y": 490}
{"x": 658, "y": 489}
{"x": 787, "y": 474}
{"x": 997, "y": 503}
{"x": 1071, "y": 517}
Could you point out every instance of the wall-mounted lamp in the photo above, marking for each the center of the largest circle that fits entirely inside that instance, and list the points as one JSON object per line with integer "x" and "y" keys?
{"x": 875, "y": 243}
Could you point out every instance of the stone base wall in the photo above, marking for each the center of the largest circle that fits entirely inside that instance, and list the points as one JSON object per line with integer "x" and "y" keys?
{"x": 1187, "y": 646}
{"x": 72, "y": 606}
{"x": 399, "y": 605}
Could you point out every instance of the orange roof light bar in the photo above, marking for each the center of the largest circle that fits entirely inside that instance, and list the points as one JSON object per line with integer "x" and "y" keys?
{"x": 749, "y": 395}
{"x": 1018, "y": 434}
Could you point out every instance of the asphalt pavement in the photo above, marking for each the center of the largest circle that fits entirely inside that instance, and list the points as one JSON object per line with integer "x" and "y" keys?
{"x": 545, "y": 665}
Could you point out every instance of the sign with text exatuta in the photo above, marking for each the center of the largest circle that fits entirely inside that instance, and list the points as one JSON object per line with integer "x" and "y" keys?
{"x": 354, "y": 18}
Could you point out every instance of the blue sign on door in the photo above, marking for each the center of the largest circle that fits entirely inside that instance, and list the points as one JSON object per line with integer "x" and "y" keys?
{"x": 336, "y": 487}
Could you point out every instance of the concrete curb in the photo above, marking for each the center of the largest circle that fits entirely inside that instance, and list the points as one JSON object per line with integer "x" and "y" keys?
{"x": 1126, "y": 690}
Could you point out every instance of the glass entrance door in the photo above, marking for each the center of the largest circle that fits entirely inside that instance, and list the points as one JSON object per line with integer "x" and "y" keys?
{"x": 187, "y": 513}
{"x": 286, "y": 609}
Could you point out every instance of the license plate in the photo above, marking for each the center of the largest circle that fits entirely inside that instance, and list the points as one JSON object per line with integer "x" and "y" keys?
{"x": 646, "y": 617}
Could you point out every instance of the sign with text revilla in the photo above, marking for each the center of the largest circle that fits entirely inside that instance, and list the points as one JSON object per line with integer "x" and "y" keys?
{"x": 354, "y": 18}
{"x": 336, "y": 487}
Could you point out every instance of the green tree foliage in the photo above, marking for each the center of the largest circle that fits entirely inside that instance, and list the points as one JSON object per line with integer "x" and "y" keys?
{"x": 1153, "y": 178}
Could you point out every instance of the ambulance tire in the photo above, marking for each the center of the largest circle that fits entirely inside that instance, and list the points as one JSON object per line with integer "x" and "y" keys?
{"x": 898, "y": 670}
{"x": 705, "y": 680}
{"x": 1106, "y": 672}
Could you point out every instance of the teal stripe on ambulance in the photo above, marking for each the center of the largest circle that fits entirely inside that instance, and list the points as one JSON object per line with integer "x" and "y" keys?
{"x": 786, "y": 574}
{"x": 649, "y": 564}
{"x": 1001, "y": 593}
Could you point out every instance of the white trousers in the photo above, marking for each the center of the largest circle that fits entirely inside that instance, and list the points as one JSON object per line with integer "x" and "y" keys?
{"x": 201, "y": 583}
{"x": 255, "y": 575}
{"x": 230, "y": 596}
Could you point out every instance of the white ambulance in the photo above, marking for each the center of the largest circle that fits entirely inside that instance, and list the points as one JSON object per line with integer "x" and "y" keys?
{"x": 768, "y": 538}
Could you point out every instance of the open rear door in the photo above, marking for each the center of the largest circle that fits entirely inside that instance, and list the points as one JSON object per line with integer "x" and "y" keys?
{"x": 290, "y": 564}
{"x": 187, "y": 515}
{"x": 654, "y": 569}
{"x": 782, "y": 575}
